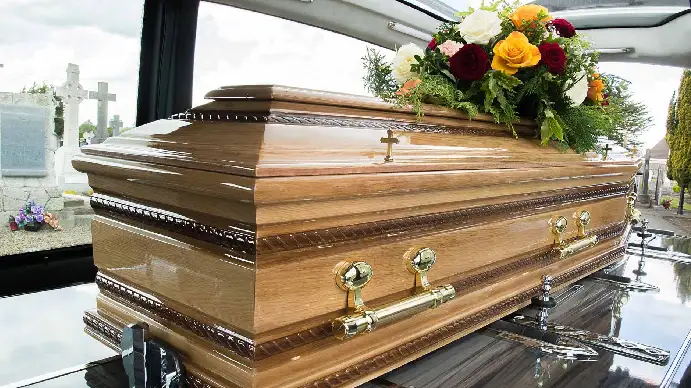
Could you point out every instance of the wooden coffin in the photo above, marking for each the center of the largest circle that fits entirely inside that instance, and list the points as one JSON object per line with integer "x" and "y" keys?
{"x": 224, "y": 229}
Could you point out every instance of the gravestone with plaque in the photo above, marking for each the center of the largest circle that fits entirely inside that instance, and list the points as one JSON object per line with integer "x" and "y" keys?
{"x": 22, "y": 140}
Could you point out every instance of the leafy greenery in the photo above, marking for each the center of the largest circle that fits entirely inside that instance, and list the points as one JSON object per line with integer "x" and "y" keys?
{"x": 628, "y": 117}
{"x": 378, "y": 79}
{"x": 679, "y": 137}
{"x": 44, "y": 88}
{"x": 86, "y": 126}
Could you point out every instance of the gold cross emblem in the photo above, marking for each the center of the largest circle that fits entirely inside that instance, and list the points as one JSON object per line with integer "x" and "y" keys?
{"x": 390, "y": 141}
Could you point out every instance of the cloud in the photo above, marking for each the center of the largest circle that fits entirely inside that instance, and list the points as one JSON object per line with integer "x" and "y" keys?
{"x": 102, "y": 37}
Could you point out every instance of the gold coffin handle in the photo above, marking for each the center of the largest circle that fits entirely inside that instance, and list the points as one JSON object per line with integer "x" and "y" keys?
{"x": 362, "y": 319}
{"x": 563, "y": 250}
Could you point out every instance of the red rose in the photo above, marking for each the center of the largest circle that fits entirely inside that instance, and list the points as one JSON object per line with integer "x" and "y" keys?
{"x": 432, "y": 44}
{"x": 553, "y": 57}
{"x": 563, "y": 27}
{"x": 470, "y": 63}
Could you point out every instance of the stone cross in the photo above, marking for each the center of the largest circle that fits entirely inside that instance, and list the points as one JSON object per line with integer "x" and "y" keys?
{"x": 116, "y": 124}
{"x": 606, "y": 149}
{"x": 72, "y": 94}
{"x": 102, "y": 96}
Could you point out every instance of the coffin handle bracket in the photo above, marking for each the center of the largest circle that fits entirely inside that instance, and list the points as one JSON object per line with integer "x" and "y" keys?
{"x": 351, "y": 276}
{"x": 584, "y": 241}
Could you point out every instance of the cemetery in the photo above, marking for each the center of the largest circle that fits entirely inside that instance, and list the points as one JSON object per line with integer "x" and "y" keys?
{"x": 36, "y": 166}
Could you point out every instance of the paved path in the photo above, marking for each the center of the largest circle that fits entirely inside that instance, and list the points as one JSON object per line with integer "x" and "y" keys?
{"x": 667, "y": 220}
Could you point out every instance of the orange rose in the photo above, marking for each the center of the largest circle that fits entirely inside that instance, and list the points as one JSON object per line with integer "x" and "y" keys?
{"x": 595, "y": 87}
{"x": 513, "y": 53}
{"x": 408, "y": 86}
{"x": 529, "y": 13}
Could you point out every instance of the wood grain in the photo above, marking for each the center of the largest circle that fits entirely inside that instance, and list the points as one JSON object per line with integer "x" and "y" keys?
{"x": 220, "y": 228}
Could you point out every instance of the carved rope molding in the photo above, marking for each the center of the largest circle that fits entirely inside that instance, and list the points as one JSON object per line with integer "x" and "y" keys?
{"x": 337, "y": 121}
{"x": 455, "y": 218}
{"x": 236, "y": 239}
{"x": 366, "y": 367}
{"x": 227, "y": 339}
{"x": 243, "y": 241}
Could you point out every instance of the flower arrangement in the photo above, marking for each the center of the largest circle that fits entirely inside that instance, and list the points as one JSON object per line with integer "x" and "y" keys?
{"x": 666, "y": 203}
{"x": 30, "y": 217}
{"x": 508, "y": 61}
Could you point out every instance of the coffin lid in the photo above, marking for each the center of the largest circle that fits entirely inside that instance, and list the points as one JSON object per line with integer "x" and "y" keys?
{"x": 270, "y": 130}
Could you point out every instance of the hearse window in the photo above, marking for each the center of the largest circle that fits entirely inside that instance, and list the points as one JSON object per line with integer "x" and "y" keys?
{"x": 54, "y": 54}
{"x": 239, "y": 47}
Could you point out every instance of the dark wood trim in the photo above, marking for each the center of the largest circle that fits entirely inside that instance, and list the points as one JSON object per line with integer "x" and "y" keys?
{"x": 339, "y": 121}
{"x": 245, "y": 242}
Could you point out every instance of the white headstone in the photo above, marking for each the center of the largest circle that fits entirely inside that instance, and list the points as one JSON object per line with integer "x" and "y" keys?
{"x": 102, "y": 96}
{"x": 72, "y": 94}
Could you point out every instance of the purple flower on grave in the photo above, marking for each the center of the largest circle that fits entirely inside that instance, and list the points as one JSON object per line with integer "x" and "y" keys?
{"x": 19, "y": 218}
{"x": 29, "y": 218}
{"x": 34, "y": 209}
{"x": 21, "y": 210}
{"x": 39, "y": 218}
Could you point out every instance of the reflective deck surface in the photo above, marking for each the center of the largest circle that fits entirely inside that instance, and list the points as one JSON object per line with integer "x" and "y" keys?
{"x": 483, "y": 359}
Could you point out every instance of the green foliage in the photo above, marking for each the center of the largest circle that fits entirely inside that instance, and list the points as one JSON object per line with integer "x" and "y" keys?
{"x": 378, "y": 79}
{"x": 679, "y": 134}
{"x": 582, "y": 123}
{"x": 628, "y": 117}
{"x": 44, "y": 88}
{"x": 499, "y": 97}
{"x": 86, "y": 126}
{"x": 439, "y": 90}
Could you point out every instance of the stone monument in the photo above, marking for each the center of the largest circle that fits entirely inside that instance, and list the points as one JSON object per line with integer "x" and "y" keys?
{"x": 116, "y": 124}
{"x": 102, "y": 96}
{"x": 643, "y": 196}
{"x": 27, "y": 148}
{"x": 72, "y": 94}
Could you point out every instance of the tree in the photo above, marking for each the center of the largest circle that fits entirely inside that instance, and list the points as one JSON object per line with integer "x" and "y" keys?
{"x": 86, "y": 126}
{"x": 59, "y": 107}
{"x": 679, "y": 138}
{"x": 629, "y": 118}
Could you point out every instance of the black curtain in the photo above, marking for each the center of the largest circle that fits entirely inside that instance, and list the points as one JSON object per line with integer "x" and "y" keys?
{"x": 166, "y": 66}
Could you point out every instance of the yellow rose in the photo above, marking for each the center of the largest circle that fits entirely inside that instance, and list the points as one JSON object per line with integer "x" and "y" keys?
{"x": 528, "y": 13}
{"x": 595, "y": 88}
{"x": 513, "y": 53}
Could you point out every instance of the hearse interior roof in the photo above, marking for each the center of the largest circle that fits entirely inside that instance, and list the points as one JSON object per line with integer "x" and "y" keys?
{"x": 645, "y": 31}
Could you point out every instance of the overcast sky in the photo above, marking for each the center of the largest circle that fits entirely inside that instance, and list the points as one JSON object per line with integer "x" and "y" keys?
{"x": 38, "y": 38}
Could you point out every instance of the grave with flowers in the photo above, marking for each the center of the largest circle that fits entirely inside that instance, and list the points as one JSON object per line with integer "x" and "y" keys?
{"x": 31, "y": 217}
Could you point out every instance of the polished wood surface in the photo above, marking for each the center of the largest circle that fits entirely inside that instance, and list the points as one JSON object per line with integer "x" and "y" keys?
{"x": 221, "y": 228}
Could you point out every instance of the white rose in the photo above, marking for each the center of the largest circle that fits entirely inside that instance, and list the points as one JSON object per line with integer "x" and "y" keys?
{"x": 579, "y": 91}
{"x": 480, "y": 26}
{"x": 405, "y": 57}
